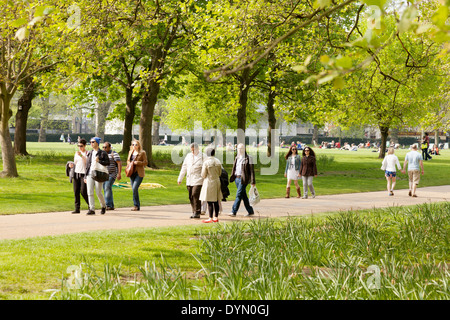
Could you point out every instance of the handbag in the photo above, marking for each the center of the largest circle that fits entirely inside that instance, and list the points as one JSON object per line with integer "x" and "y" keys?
{"x": 100, "y": 173}
{"x": 253, "y": 196}
{"x": 130, "y": 169}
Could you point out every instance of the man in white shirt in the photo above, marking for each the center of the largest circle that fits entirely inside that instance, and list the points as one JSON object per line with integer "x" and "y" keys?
{"x": 414, "y": 160}
{"x": 192, "y": 168}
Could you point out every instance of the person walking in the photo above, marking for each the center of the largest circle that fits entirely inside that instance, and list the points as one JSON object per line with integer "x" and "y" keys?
{"x": 242, "y": 174}
{"x": 79, "y": 165}
{"x": 139, "y": 158}
{"x": 292, "y": 171}
{"x": 93, "y": 156}
{"x": 211, "y": 190}
{"x": 425, "y": 146}
{"x": 192, "y": 169}
{"x": 308, "y": 170}
{"x": 415, "y": 162}
{"x": 115, "y": 172}
{"x": 388, "y": 165}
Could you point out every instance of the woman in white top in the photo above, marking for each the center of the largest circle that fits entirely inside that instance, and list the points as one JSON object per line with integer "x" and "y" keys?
{"x": 388, "y": 165}
{"x": 292, "y": 171}
{"x": 79, "y": 186}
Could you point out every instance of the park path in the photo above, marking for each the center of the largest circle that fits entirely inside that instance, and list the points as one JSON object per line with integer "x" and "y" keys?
{"x": 23, "y": 226}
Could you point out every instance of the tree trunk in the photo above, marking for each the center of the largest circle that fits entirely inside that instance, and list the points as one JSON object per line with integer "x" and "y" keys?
{"x": 394, "y": 135}
{"x": 436, "y": 138}
{"x": 44, "y": 120}
{"x": 24, "y": 106}
{"x": 272, "y": 122}
{"x": 315, "y": 136}
{"x": 8, "y": 158}
{"x": 242, "y": 110}
{"x": 156, "y": 126}
{"x": 130, "y": 111}
{"x": 384, "y": 135}
{"x": 102, "y": 113}
{"x": 145, "y": 126}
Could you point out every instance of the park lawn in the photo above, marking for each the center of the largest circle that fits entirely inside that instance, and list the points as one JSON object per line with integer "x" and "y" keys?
{"x": 266, "y": 259}
{"x": 42, "y": 185}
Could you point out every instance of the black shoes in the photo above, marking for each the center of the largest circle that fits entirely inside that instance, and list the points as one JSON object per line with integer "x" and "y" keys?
{"x": 195, "y": 216}
{"x": 76, "y": 211}
{"x": 90, "y": 212}
{"x": 109, "y": 208}
{"x": 103, "y": 210}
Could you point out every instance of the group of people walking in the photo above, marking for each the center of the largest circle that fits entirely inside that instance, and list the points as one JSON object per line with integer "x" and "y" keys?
{"x": 413, "y": 160}
{"x": 304, "y": 167}
{"x": 84, "y": 181}
{"x": 206, "y": 184}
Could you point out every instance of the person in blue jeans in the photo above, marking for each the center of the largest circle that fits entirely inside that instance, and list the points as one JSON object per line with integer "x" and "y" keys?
{"x": 115, "y": 172}
{"x": 242, "y": 174}
{"x": 139, "y": 158}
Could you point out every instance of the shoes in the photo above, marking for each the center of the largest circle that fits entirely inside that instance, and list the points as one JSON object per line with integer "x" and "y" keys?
{"x": 249, "y": 214}
{"x": 203, "y": 212}
{"x": 414, "y": 196}
{"x": 305, "y": 197}
{"x": 313, "y": 196}
{"x": 299, "y": 193}
{"x": 109, "y": 208}
{"x": 215, "y": 220}
{"x": 76, "y": 211}
{"x": 232, "y": 214}
{"x": 90, "y": 212}
{"x": 195, "y": 216}
{"x": 103, "y": 210}
{"x": 208, "y": 221}
{"x": 391, "y": 193}
{"x": 410, "y": 194}
{"x": 288, "y": 192}
{"x": 135, "y": 209}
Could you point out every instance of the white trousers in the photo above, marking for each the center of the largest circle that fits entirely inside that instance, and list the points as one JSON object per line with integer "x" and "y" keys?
{"x": 90, "y": 184}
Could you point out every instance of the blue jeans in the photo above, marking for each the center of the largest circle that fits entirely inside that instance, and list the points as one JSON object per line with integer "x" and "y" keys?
{"x": 136, "y": 181}
{"x": 241, "y": 194}
{"x": 107, "y": 190}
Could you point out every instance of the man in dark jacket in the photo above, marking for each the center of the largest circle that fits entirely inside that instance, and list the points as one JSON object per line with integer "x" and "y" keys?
{"x": 242, "y": 174}
{"x": 93, "y": 156}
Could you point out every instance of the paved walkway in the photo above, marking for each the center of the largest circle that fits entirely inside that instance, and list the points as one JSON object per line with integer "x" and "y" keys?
{"x": 56, "y": 223}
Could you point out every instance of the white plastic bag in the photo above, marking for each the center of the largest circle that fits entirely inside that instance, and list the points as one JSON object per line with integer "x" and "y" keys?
{"x": 253, "y": 196}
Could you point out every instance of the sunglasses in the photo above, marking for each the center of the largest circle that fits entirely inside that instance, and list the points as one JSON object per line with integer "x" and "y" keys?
{"x": 92, "y": 141}
{"x": 80, "y": 145}
{"x": 307, "y": 150}
{"x": 134, "y": 144}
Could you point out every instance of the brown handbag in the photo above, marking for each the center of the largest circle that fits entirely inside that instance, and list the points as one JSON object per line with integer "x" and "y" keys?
{"x": 130, "y": 169}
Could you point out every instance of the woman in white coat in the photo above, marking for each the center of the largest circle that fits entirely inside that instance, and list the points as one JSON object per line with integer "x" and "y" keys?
{"x": 388, "y": 165}
{"x": 211, "y": 190}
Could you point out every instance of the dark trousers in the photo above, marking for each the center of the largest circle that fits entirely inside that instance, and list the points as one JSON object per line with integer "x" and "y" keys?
{"x": 425, "y": 154}
{"x": 213, "y": 208}
{"x": 79, "y": 187}
{"x": 194, "y": 195}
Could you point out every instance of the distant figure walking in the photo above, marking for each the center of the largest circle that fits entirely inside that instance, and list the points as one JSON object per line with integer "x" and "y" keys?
{"x": 211, "y": 190}
{"x": 139, "y": 158}
{"x": 415, "y": 163}
{"x": 292, "y": 171}
{"x": 79, "y": 186}
{"x": 425, "y": 146}
{"x": 388, "y": 165}
{"x": 308, "y": 170}
{"x": 242, "y": 174}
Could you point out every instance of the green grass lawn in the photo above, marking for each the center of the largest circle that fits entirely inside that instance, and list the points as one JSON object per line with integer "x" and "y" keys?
{"x": 325, "y": 256}
{"x": 42, "y": 185}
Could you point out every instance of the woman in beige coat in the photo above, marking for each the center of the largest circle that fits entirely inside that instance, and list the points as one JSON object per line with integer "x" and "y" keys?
{"x": 211, "y": 190}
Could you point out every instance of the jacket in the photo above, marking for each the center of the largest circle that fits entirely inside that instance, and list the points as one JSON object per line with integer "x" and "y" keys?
{"x": 297, "y": 163}
{"x": 141, "y": 162}
{"x": 102, "y": 157}
{"x": 248, "y": 171}
{"x": 308, "y": 166}
{"x": 192, "y": 168}
{"x": 224, "y": 185}
{"x": 211, "y": 171}
{"x": 70, "y": 172}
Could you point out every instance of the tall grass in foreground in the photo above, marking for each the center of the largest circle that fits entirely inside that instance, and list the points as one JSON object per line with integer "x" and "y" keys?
{"x": 395, "y": 253}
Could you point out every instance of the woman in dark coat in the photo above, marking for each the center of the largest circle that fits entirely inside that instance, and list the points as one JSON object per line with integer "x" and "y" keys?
{"x": 308, "y": 170}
